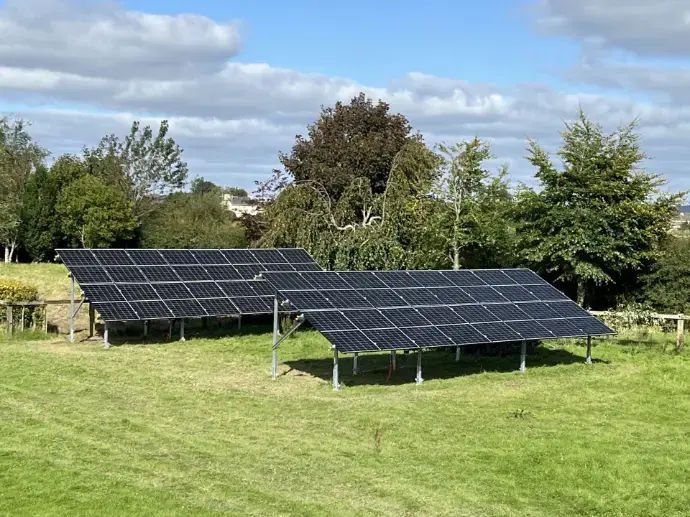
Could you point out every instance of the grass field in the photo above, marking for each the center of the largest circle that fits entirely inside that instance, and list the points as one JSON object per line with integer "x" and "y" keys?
{"x": 200, "y": 429}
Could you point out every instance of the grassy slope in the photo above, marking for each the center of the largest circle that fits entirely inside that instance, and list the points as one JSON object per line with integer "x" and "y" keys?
{"x": 198, "y": 428}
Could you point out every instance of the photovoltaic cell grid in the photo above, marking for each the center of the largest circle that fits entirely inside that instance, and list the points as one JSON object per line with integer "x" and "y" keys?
{"x": 146, "y": 284}
{"x": 361, "y": 311}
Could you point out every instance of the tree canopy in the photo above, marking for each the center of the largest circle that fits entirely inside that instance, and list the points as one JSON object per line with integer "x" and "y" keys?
{"x": 600, "y": 217}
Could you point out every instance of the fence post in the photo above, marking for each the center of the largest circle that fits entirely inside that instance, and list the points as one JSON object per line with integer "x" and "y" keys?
{"x": 680, "y": 331}
{"x": 10, "y": 319}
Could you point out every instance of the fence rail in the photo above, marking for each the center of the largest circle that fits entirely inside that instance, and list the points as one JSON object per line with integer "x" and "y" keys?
{"x": 678, "y": 318}
{"x": 24, "y": 306}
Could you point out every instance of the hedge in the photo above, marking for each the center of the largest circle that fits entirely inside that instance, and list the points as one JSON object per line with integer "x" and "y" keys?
{"x": 16, "y": 291}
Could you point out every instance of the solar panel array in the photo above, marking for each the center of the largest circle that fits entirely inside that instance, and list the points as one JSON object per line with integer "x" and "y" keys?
{"x": 385, "y": 310}
{"x": 147, "y": 284}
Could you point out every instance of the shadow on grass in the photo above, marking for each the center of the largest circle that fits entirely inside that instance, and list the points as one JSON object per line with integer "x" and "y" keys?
{"x": 436, "y": 364}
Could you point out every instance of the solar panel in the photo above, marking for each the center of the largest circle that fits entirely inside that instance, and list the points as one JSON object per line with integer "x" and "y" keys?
{"x": 151, "y": 310}
{"x": 72, "y": 258}
{"x": 108, "y": 257}
{"x": 182, "y": 283}
{"x": 385, "y": 310}
{"x": 102, "y": 293}
{"x": 147, "y": 257}
{"x": 89, "y": 275}
{"x": 159, "y": 273}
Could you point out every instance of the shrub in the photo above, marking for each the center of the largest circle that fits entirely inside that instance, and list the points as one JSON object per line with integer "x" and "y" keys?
{"x": 16, "y": 291}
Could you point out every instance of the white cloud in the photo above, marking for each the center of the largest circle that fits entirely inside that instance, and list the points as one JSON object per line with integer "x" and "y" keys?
{"x": 647, "y": 28}
{"x": 232, "y": 118}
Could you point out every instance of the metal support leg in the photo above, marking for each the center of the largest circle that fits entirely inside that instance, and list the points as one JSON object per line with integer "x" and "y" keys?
{"x": 170, "y": 329}
{"x": 523, "y": 356}
{"x": 355, "y": 364}
{"x": 457, "y": 354}
{"x": 92, "y": 319}
{"x": 239, "y": 322}
{"x": 336, "y": 381}
{"x": 106, "y": 343}
{"x": 274, "y": 364}
{"x": 71, "y": 309}
{"x": 419, "y": 379}
{"x": 588, "y": 359}
{"x": 393, "y": 359}
{"x": 146, "y": 328}
{"x": 182, "y": 330}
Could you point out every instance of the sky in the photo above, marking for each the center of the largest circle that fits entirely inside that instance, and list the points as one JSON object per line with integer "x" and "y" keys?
{"x": 239, "y": 80}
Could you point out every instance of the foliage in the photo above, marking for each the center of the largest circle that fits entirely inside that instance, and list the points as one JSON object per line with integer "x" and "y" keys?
{"x": 600, "y": 217}
{"x": 347, "y": 142}
{"x": 667, "y": 287}
{"x": 201, "y": 186}
{"x": 143, "y": 165}
{"x": 41, "y": 230}
{"x": 473, "y": 218}
{"x": 630, "y": 316}
{"x": 192, "y": 221}
{"x": 12, "y": 290}
{"x": 235, "y": 191}
{"x": 360, "y": 229}
{"x": 19, "y": 157}
{"x": 94, "y": 214}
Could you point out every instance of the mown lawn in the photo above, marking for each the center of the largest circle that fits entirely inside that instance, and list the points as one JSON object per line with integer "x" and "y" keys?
{"x": 199, "y": 428}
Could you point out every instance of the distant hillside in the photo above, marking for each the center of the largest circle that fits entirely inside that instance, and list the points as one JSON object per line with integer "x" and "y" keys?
{"x": 685, "y": 209}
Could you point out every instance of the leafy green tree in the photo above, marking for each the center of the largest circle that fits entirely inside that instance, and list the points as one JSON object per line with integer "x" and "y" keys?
{"x": 473, "y": 217}
{"x": 201, "y": 186}
{"x": 667, "y": 286}
{"x": 20, "y": 156}
{"x": 361, "y": 229}
{"x": 599, "y": 218}
{"x": 236, "y": 191}
{"x": 41, "y": 230}
{"x": 94, "y": 214}
{"x": 349, "y": 141}
{"x": 144, "y": 165}
{"x": 186, "y": 220}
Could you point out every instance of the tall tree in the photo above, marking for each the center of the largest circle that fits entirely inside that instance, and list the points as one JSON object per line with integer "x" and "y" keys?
{"x": 94, "y": 214}
{"x": 202, "y": 186}
{"x": 143, "y": 164}
{"x": 601, "y": 216}
{"x": 41, "y": 230}
{"x": 349, "y": 141}
{"x": 196, "y": 220}
{"x": 20, "y": 155}
{"x": 475, "y": 203}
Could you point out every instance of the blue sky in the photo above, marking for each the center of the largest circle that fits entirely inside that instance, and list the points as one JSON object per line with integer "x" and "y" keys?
{"x": 80, "y": 69}
{"x": 492, "y": 41}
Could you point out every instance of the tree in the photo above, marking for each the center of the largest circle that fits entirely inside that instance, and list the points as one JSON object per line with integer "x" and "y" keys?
{"x": 236, "y": 191}
{"x": 475, "y": 203}
{"x": 192, "y": 221}
{"x": 356, "y": 140}
{"x": 142, "y": 164}
{"x": 667, "y": 287}
{"x": 41, "y": 230}
{"x": 361, "y": 229}
{"x": 19, "y": 158}
{"x": 201, "y": 186}
{"x": 599, "y": 218}
{"x": 94, "y": 214}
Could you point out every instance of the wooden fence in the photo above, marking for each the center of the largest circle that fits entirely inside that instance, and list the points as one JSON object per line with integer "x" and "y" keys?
{"x": 678, "y": 318}
{"x": 11, "y": 307}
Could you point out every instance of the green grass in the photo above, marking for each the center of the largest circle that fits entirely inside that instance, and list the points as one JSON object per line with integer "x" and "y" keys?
{"x": 200, "y": 429}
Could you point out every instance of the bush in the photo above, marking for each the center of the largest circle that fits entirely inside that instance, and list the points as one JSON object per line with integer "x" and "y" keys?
{"x": 16, "y": 291}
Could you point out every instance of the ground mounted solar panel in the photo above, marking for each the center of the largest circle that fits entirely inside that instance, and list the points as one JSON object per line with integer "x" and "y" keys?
{"x": 364, "y": 311}
{"x": 149, "y": 284}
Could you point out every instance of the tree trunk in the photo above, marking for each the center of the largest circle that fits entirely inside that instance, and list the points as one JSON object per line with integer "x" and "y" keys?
{"x": 456, "y": 258}
{"x": 581, "y": 292}
{"x": 8, "y": 259}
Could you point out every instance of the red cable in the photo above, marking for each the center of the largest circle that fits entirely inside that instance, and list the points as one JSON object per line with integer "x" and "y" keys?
{"x": 390, "y": 371}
